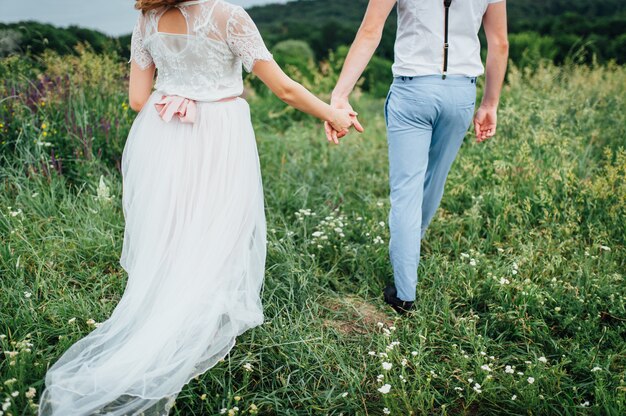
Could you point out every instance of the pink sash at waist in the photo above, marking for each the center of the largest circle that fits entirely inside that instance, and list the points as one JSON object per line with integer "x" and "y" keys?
{"x": 184, "y": 108}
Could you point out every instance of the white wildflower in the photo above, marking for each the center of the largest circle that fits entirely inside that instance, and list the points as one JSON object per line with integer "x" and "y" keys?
{"x": 15, "y": 213}
{"x": 10, "y": 381}
{"x": 385, "y": 388}
{"x": 30, "y": 393}
{"x": 103, "y": 191}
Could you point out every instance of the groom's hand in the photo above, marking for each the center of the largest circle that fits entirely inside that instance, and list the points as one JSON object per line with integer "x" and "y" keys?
{"x": 485, "y": 122}
{"x": 334, "y": 135}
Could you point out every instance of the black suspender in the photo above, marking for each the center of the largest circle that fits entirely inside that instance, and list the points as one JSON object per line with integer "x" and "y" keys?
{"x": 446, "y": 45}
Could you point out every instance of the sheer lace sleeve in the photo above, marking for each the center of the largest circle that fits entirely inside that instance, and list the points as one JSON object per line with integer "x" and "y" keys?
{"x": 138, "y": 52}
{"x": 244, "y": 39}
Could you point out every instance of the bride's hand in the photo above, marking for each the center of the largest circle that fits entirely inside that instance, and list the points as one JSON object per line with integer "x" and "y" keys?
{"x": 340, "y": 122}
{"x": 333, "y": 134}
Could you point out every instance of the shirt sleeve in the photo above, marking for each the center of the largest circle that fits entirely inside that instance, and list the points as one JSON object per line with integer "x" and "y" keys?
{"x": 244, "y": 39}
{"x": 494, "y": 1}
{"x": 138, "y": 52}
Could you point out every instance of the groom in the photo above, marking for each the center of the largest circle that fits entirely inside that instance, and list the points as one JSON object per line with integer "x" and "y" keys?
{"x": 428, "y": 109}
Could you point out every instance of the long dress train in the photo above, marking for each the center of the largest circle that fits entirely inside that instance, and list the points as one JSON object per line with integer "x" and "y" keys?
{"x": 194, "y": 249}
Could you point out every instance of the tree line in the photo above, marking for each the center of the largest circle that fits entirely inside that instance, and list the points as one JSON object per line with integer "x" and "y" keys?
{"x": 540, "y": 30}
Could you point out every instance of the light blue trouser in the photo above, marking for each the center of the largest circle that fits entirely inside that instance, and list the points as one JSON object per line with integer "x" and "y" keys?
{"x": 427, "y": 118}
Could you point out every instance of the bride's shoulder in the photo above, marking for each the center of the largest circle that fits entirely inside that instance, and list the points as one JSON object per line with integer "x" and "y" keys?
{"x": 223, "y": 7}
{"x": 225, "y": 14}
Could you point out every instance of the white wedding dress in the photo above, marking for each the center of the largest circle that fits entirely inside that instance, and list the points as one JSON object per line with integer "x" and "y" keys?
{"x": 195, "y": 235}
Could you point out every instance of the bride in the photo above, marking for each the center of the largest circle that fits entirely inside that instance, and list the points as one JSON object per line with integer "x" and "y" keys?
{"x": 195, "y": 235}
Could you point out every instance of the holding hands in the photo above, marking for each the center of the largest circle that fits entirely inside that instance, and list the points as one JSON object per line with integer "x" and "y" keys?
{"x": 339, "y": 125}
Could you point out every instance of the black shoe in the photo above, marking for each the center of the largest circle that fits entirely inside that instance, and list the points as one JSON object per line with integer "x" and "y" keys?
{"x": 399, "y": 305}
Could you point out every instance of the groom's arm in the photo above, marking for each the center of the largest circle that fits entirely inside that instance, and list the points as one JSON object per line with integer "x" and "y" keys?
{"x": 365, "y": 43}
{"x": 495, "y": 25}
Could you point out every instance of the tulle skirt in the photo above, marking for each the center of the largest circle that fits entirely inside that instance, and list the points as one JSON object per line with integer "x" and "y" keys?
{"x": 194, "y": 249}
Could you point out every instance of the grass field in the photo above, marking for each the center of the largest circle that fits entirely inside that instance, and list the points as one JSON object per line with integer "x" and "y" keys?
{"x": 521, "y": 299}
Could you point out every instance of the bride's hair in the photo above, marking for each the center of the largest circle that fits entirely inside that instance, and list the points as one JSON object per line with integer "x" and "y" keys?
{"x": 145, "y": 5}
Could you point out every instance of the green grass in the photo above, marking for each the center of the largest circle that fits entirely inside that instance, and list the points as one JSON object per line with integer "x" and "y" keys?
{"x": 525, "y": 258}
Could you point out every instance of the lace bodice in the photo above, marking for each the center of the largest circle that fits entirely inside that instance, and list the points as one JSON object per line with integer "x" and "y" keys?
{"x": 204, "y": 64}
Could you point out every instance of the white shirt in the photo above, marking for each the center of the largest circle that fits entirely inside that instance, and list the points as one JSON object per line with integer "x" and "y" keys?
{"x": 420, "y": 35}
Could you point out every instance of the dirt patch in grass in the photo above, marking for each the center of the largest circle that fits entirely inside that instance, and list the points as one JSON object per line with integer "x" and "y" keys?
{"x": 352, "y": 315}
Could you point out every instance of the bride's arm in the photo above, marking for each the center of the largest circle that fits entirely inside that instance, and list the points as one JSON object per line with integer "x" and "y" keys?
{"x": 140, "y": 85}
{"x": 299, "y": 97}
